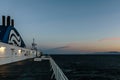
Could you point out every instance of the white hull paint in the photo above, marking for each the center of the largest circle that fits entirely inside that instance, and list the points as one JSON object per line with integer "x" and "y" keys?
{"x": 11, "y": 53}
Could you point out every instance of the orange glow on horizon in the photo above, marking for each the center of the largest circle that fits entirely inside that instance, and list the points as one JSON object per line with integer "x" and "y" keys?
{"x": 94, "y": 46}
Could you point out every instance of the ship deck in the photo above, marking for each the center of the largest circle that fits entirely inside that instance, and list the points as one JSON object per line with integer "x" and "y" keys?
{"x": 26, "y": 70}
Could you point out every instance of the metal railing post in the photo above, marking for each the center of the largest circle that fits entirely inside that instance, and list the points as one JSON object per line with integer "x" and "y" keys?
{"x": 59, "y": 75}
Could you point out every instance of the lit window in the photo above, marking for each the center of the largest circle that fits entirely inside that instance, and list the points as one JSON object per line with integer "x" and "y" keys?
{"x": 19, "y": 51}
{"x": 2, "y": 49}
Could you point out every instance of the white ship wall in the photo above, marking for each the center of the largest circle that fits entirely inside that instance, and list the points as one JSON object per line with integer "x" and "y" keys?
{"x": 10, "y": 53}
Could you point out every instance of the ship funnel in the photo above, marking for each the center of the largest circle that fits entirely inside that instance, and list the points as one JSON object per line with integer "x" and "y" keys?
{"x": 8, "y": 20}
{"x": 3, "y": 20}
{"x": 12, "y": 22}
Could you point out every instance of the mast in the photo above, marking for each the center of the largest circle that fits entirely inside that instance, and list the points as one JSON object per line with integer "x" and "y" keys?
{"x": 34, "y": 45}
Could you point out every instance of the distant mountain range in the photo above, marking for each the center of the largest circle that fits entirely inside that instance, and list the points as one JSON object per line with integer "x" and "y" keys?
{"x": 113, "y": 52}
{"x": 109, "y": 52}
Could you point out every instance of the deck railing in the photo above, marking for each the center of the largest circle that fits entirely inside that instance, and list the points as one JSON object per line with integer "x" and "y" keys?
{"x": 59, "y": 75}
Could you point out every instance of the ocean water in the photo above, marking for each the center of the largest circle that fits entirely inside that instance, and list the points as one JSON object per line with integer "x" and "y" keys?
{"x": 89, "y": 67}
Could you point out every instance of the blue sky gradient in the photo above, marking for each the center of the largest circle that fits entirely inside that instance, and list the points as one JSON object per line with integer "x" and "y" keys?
{"x": 81, "y": 25}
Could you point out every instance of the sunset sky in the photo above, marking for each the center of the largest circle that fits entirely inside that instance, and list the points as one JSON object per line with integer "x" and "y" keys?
{"x": 60, "y": 26}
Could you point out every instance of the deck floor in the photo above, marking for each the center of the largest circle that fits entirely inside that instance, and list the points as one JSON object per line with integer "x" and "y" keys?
{"x": 26, "y": 70}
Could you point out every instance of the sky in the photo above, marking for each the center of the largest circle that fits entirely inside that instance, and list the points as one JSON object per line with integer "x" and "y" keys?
{"x": 67, "y": 26}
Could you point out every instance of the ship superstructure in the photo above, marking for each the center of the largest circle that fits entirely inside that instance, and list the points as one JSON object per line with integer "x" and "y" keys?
{"x": 13, "y": 49}
{"x": 12, "y": 46}
{"x": 8, "y": 33}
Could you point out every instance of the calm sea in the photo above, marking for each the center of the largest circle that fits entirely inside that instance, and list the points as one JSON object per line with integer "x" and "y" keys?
{"x": 89, "y": 67}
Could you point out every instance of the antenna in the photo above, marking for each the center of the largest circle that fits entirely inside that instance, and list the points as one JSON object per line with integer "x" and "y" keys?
{"x": 34, "y": 44}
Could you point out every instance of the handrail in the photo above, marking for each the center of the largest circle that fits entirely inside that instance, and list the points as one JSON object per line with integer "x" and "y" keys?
{"x": 59, "y": 75}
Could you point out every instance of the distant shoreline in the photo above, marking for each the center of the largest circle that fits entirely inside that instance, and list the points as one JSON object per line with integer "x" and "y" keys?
{"x": 105, "y": 53}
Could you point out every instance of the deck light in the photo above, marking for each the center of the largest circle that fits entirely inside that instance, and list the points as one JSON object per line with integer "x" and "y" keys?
{"x": 2, "y": 49}
{"x": 19, "y": 51}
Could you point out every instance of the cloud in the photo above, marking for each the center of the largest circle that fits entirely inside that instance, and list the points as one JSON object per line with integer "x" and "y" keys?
{"x": 62, "y": 47}
{"x": 110, "y": 39}
{"x": 59, "y": 48}
{"x": 103, "y": 45}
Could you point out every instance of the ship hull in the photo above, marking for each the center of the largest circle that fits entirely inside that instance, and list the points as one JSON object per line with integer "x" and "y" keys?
{"x": 10, "y": 53}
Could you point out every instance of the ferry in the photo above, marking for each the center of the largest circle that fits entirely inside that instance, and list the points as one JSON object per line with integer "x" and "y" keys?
{"x": 13, "y": 49}
{"x": 12, "y": 46}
